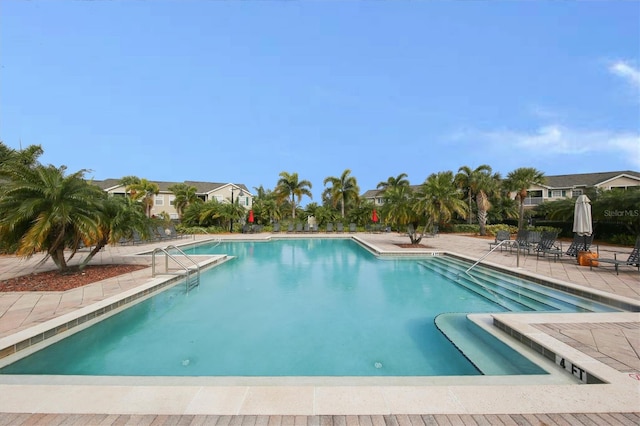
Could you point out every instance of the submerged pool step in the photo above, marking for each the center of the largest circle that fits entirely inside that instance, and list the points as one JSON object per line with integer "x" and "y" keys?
{"x": 529, "y": 296}
{"x": 506, "y": 301}
{"x": 549, "y": 299}
{"x": 532, "y": 295}
{"x": 487, "y": 353}
{"x": 556, "y": 298}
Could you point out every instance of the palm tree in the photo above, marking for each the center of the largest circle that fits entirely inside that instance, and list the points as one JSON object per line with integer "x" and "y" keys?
{"x": 343, "y": 189}
{"x": 438, "y": 199}
{"x": 398, "y": 206}
{"x": 26, "y": 157}
{"x": 479, "y": 184}
{"x": 289, "y": 186}
{"x": 142, "y": 190}
{"x": 184, "y": 195}
{"x": 520, "y": 180}
{"x": 394, "y": 182}
{"x": 118, "y": 217}
{"x": 43, "y": 209}
{"x": 468, "y": 180}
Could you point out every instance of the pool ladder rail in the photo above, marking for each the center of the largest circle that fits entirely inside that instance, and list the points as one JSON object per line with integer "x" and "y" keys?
{"x": 191, "y": 272}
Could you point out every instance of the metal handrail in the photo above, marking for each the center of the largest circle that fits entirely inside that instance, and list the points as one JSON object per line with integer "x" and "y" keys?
{"x": 168, "y": 255}
{"x": 493, "y": 249}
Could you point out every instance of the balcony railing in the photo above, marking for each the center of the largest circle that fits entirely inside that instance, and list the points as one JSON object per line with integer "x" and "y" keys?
{"x": 532, "y": 201}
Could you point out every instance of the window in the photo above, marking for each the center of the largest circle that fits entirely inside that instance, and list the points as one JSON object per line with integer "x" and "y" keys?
{"x": 576, "y": 192}
{"x": 218, "y": 198}
{"x": 556, "y": 193}
{"x": 159, "y": 200}
{"x": 172, "y": 200}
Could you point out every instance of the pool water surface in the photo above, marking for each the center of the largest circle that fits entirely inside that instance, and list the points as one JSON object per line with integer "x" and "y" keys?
{"x": 290, "y": 307}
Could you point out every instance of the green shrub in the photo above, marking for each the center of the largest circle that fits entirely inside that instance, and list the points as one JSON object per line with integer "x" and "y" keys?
{"x": 544, "y": 229}
{"x": 465, "y": 228}
{"x": 623, "y": 239}
{"x": 200, "y": 230}
{"x": 492, "y": 230}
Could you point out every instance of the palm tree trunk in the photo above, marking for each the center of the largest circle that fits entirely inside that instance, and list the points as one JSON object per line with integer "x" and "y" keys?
{"x": 92, "y": 253}
{"x": 483, "y": 207}
{"x": 293, "y": 207}
{"x": 57, "y": 255}
{"x": 521, "y": 216}
{"x": 470, "y": 209}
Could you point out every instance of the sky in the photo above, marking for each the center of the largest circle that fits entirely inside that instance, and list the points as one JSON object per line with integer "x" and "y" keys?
{"x": 240, "y": 91}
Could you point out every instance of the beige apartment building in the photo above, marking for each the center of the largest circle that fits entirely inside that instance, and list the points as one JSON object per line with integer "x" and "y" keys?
{"x": 206, "y": 191}
{"x": 557, "y": 186}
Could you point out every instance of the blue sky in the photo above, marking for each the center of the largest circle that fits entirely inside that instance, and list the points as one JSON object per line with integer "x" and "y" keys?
{"x": 226, "y": 91}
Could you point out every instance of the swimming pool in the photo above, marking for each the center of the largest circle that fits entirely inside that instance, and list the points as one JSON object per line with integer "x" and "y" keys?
{"x": 296, "y": 307}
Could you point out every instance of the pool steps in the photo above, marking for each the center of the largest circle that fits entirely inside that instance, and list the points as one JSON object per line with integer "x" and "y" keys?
{"x": 487, "y": 353}
{"x": 512, "y": 293}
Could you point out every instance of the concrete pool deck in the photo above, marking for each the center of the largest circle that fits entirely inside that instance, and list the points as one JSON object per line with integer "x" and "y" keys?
{"x": 605, "y": 344}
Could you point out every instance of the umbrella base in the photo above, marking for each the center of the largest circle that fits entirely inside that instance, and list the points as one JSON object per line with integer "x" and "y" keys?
{"x": 587, "y": 258}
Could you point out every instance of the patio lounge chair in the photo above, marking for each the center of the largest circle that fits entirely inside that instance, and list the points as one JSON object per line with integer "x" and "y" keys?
{"x": 352, "y": 227}
{"x": 547, "y": 245}
{"x": 173, "y": 233}
{"x": 500, "y": 237}
{"x": 329, "y": 227}
{"x": 579, "y": 243}
{"x": 521, "y": 242}
{"x": 298, "y": 227}
{"x": 290, "y": 228}
{"x": 276, "y": 227}
{"x": 533, "y": 238}
{"x": 340, "y": 227}
{"x": 633, "y": 260}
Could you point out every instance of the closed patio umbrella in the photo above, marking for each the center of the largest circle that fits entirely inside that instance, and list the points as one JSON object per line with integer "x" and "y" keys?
{"x": 250, "y": 216}
{"x": 374, "y": 216}
{"x": 582, "y": 221}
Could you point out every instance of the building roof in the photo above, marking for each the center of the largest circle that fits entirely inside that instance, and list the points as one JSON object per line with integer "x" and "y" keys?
{"x": 586, "y": 179}
{"x": 201, "y": 187}
{"x": 372, "y": 193}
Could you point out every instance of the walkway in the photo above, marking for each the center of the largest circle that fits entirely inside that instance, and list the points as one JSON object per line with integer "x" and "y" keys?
{"x": 609, "y": 343}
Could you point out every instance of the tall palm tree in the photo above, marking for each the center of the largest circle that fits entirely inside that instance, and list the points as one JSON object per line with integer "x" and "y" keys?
{"x": 142, "y": 190}
{"x": 289, "y": 186}
{"x": 439, "y": 199}
{"x": 520, "y": 180}
{"x": 343, "y": 189}
{"x": 184, "y": 195}
{"x": 26, "y": 157}
{"x": 468, "y": 180}
{"x": 394, "y": 182}
{"x": 487, "y": 185}
{"x": 478, "y": 183}
{"x": 44, "y": 210}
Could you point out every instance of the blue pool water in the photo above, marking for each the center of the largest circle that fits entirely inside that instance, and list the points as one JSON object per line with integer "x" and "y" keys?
{"x": 294, "y": 307}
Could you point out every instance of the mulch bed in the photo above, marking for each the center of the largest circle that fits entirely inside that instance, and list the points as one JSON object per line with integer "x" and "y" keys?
{"x": 55, "y": 281}
{"x": 413, "y": 246}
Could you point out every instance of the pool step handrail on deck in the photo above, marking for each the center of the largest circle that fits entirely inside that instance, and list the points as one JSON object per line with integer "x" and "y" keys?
{"x": 188, "y": 271}
{"x": 493, "y": 249}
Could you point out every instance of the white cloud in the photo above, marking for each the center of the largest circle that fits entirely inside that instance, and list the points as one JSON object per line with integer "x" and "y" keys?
{"x": 626, "y": 71}
{"x": 555, "y": 139}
